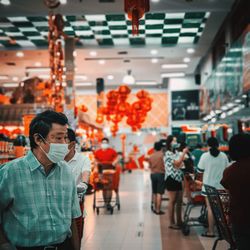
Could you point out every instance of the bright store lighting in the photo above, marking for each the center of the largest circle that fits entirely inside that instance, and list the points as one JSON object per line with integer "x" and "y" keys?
{"x": 63, "y": 1}
{"x": 110, "y": 77}
{"x": 138, "y": 133}
{"x": 82, "y": 84}
{"x": 229, "y": 130}
{"x": 230, "y": 112}
{"x": 15, "y": 78}
{"x": 230, "y": 105}
{"x": 217, "y": 111}
{"x": 155, "y": 1}
{"x": 154, "y": 60}
{"x": 102, "y": 61}
{"x": 174, "y": 66}
{"x": 20, "y": 54}
{"x": 186, "y": 60}
{"x": 223, "y": 115}
{"x": 10, "y": 84}
{"x": 238, "y": 100}
{"x": 154, "y": 133}
{"x": 4, "y": 77}
{"x": 213, "y": 120}
{"x": 146, "y": 83}
{"x": 5, "y": 2}
{"x": 154, "y": 52}
{"x": 81, "y": 77}
{"x": 244, "y": 96}
{"x": 93, "y": 53}
{"x": 37, "y": 69}
{"x": 168, "y": 75}
{"x": 74, "y": 53}
{"x": 38, "y": 64}
{"x": 128, "y": 79}
{"x": 44, "y": 76}
{"x": 190, "y": 50}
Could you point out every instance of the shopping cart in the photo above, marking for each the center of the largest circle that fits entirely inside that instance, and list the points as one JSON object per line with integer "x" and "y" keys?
{"x": 195, "y": 199}
{"x": 219, "y": 202}
{"x": 107, "y": 183}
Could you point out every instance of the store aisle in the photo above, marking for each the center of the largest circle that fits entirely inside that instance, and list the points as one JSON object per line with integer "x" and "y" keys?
{"x": 135, "y": 227}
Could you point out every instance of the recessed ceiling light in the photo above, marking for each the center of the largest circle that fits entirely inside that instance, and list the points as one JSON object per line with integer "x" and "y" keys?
{"x": 174, "y": 66}
{"x": 74, "y": 53}
{"x": 175, "y": 74}
{"x": 93, "y": 53}
{"x": 81, "y": 77}
{"x": 10, "y": 84}
{"x": 63, "y": 1}
{"x": 20, "y": 54}
{"x": 5, "y": 2}
{"x": 154, "y": 60}
{"x": 4, "y": 77}
{"x": 155, "y": 1}
{"x": 110, "y": 77}
{"x": 37, "y": 69}
{"x": 190, "y": 50}
{"x": 186, "y": 60}
{"x": 38, "y": 64}
{"x": 102, "y": 61}
{"x": 146, "y": 83}
{"x": 15, "y": 78}
{"x": 154, "y": 52}
{"x": 81, "y": 84}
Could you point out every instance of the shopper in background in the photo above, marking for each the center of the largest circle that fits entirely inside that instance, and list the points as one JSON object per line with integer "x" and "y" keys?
{"x": 156, "y": 165}
{"x": 106, "y": 158}
{"x": 174, "y": 177}
{"x": 79, "y": 164}
{"x": 39, "y": 202}
{"x": 236, "y": 180}
{"x": 197, "y": 153}
{"x": 212, "y": 165}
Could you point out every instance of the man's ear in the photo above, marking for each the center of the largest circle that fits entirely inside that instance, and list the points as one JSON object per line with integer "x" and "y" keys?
{"x": 38, "y": 140}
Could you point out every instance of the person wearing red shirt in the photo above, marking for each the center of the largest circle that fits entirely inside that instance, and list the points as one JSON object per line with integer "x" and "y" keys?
{"x": 106, "y": 158}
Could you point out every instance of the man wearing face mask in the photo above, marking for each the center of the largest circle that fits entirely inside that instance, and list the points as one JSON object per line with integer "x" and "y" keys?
{"x": 106, "y": 158}
{"x": 39, "y": 202}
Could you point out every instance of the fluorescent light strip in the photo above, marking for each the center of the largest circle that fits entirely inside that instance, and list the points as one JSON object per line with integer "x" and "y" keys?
{"x": 10, "y": 84}
{"x": 174, "y": 66}
{"x": 146, "y": 83}
{"x": 4, "y": 77}
{"x": 177, "y": 74}
{"x": 37, "y": 69}
{"x": 82, "y": 84}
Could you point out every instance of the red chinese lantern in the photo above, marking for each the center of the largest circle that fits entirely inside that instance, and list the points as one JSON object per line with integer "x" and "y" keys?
{"x": 135, "y": 10}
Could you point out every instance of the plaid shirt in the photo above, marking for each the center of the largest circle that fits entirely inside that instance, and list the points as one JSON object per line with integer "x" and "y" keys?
{"x": 36, "y": 209}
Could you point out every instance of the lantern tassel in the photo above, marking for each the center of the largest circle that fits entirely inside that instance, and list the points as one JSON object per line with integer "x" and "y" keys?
{"x": 135, "y": 22}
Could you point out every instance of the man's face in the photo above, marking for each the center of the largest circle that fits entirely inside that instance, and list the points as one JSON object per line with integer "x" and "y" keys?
{"x": 57, "y": 134}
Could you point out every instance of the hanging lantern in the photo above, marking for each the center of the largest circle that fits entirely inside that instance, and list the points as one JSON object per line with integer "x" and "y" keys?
{"x": 135, "y": 10}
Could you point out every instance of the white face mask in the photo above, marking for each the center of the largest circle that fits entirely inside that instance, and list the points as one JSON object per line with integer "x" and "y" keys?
{"x": 57, "y": 151}
{"x": 104, "y": 145}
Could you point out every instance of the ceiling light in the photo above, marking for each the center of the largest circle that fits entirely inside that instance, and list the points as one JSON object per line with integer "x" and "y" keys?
{"x": 168, "y": 75}
{"x": 223, "y": 115}
{"x": 74, "y": 53}
{"x": 82, "y": 84}
{"x": 154, "y": 52}
{"x": 63, "y": 1}
{"x": 238, "y": 100}
{"x": 155, "y": 1}
{"x": 244, "y": 96}
{"x": 10, "y": 84}
{"x": 186, "y": 60}
{"x": 15, "y": 78}
{"x": 20, "y": 54}
{"x": 110, "y": 77}
{"x": 38, "y": 64}
{"x": 44, "y": 76}
{"x": 146, "y": 83}
{"x": 190, "y": 50}
{"x": 213, "y": 120}
{"x": 5, "y": 2}
{"x": 37, "y": 69}
{"x": 102, "y": 61}
{"x": 154, "y": 60}
{"x": 174, "y": 66}
{"x": 93, "y": 53}
{"x": 81, "y": 77}
{"x": 4, "y": 77}
{"x": 230, "y": 112}
{"x": 128, "y": 79}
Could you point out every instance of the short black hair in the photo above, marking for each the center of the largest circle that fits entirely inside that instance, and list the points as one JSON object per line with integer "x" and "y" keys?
{"x": 71, "y": 135}
{"x": 105, "y": 139}
{"x": 169, "y": 140}
{"x": 157, "y": 146}
{"x": 239, "y": 146}
{"x": 42, "y": 124}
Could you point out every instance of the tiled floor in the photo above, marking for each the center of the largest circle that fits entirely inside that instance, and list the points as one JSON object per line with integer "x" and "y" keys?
{"x": 135, "y": 227}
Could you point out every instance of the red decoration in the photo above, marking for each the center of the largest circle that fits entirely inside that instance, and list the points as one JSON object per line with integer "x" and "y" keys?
{"x": 135, "y": 10}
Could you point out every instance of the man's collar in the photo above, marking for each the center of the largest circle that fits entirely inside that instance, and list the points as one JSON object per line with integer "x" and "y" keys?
{"x": 32, "y": 161}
